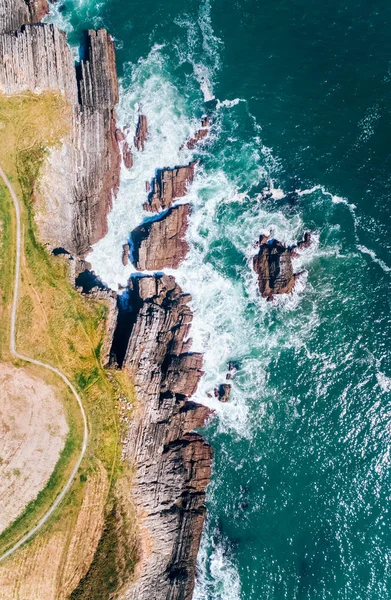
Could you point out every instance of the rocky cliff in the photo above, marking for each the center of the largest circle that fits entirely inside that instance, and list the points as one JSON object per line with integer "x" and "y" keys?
{"x": 14, "y": 13}
{"x": 81, "y": 176}
{"x": 172, "y": 464}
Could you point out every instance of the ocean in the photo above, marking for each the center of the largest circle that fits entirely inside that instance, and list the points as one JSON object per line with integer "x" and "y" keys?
{"x": 300, "y": 98}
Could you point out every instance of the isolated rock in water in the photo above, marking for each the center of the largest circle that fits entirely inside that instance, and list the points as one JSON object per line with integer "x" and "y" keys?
{"x": 172, "y": 464}
{"x": 125, "y": 254}
{"x": 127, "y": 156}
{"x": 200, "y": 134}
{"x": 168, "y": 185}
{"x": 223, "y": 392}
{"x": 161, "y": 244}
{"x": 273, "y": 264}
{"x": 141, "y": 132}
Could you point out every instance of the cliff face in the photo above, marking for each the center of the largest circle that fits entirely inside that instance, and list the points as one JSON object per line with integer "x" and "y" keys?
{"x": 14, "y": 13}
{"x": 80, "y": 177}
{"x": 172, "y": 465}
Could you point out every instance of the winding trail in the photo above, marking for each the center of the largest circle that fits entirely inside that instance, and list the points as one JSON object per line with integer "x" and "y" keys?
{"x": 16, "y": 354}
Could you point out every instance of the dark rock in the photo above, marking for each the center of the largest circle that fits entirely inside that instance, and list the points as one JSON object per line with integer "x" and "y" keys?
{"x": 168, "y": 185}
{"x": 141, "y": 132}
{"x": 273, "y": 264}
{"x": 161, "y": 243}
{"x": 306, "y": 241}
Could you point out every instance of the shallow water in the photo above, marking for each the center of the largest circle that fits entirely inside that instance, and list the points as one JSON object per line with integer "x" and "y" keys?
{"x": 298, "y": 504}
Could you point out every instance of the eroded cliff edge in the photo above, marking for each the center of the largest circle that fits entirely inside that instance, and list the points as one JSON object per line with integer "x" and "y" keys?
{"x": 81, "y": 176}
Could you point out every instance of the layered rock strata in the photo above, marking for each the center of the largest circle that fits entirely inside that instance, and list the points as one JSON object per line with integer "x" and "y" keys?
{"x": 80, "y": 177}
{"x": 14, "y": 13}
{"x": 168, "y": 185}
{"x": 161, "y": 243}
{"x": 172, "y": 463}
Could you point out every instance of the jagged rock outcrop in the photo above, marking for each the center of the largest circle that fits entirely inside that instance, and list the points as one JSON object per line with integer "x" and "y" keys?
{"x": 141, "y": 133}
{"x": 200, "y": 134}
{"x": 273, "y": 264}
{"x": 161, "y": 243}
{"x": 14, "y": 13}
{"x": 168, "y": 185}
{"x": 172, "y": 464}
{"x": 127, "y": 156}
{"x": 80, "y": 177}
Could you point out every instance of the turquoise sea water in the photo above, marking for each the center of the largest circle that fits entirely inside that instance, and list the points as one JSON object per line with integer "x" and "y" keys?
{"x": 300, "y": 96}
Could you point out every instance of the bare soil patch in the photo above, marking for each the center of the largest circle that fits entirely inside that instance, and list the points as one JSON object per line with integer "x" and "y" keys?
{"x": 33, "y": 430}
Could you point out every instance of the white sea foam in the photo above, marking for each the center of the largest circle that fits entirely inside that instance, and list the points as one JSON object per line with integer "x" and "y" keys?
{"x": 149, "y": 90}
{"x": 202, "y": 49}
{"x": 375, "y": 259}
{"x": 383, "y": 381}
{"x": 228, "y": 103}
{"x": 223, "y": 582}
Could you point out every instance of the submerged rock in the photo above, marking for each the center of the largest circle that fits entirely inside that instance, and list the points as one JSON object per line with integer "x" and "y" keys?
{"x": 200, "y": 134}
{"x": 161, "y": 243}
{"x": 168, "y": 185}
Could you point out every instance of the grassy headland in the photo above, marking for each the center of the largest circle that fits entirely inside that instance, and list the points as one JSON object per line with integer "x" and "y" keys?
{"x": 57, "y": 325}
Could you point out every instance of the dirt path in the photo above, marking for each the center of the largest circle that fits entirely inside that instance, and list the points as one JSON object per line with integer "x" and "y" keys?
{"x": 14, "y": 352}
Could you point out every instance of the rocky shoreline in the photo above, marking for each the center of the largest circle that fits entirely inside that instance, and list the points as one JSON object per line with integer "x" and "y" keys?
{"x": 147, "y": 330}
